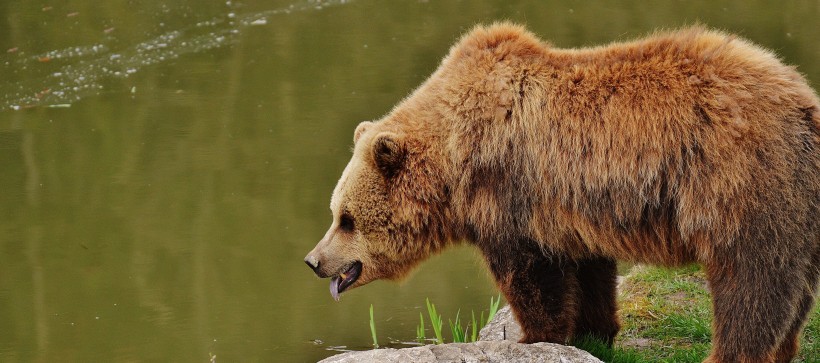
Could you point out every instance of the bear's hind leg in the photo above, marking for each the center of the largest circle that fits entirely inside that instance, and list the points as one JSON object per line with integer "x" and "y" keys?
{"x": 541, "y": 290}
{"x": 755, "y": 300}
{"x": 598, "y": 311}
{"x": 789, "y": 346}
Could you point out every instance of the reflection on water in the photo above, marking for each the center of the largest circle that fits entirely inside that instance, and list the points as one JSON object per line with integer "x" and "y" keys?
{"x": 167, "y": 166}
{"x": 87, "y": 66}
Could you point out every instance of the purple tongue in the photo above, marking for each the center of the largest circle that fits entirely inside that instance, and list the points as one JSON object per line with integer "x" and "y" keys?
{"x": 334, "y": 287}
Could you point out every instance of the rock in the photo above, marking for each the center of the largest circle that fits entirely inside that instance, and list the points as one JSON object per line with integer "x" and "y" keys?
{"x": 502, "y": 327}
{"x": 492, "y": 347}
{"x": 417, "y": 354}
{"x": 481, "y": 351}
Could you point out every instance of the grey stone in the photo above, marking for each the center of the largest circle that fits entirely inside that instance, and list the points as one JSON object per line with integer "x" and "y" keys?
{"x": 502, "y": 327}
{"x": 481, "y": 351}
{"x": 417, "y": 354}
{"x": 490, "y": 348}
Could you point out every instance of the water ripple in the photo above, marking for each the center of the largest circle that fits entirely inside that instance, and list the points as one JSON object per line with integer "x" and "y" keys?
{"x": 90, "y": 65}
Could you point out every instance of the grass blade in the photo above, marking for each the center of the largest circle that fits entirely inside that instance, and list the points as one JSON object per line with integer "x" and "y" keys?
{"x": 435, "y": 321}
{"x": 373, "y": 328}
{"x": 455, "y": 329}
{"x": 474, "y": 335}
{"x": 420, "y": 329}
{"x": 493, "y": 307}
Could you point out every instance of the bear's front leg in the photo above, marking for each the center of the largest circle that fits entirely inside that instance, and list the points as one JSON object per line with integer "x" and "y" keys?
{"x": 541, "y": 290}
{"x": 598, "y": 312}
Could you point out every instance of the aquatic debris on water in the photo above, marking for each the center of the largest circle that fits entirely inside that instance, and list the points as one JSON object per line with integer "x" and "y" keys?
{"x": 261, "y": 21}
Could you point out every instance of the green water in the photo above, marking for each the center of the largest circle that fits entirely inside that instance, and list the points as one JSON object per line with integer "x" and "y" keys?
{"x": 166, "y": 165}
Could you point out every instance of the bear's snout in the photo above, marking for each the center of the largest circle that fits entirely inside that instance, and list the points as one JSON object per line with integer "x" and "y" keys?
{"x": 315, "y": 264}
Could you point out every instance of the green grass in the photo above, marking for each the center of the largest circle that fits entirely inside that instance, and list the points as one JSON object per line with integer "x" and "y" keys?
{"x": 666, "y": 317}
{"x": 615, "y": 354}
{"x": 435, "y": 321}
{"x": 465, "y": 334}
{"x": 373, "y": 328}
{"x": 459, "y": 336}
{"x": 494, "y": 303}
{"x": 810, "y": 342}
{"x": 420, "y": 335}
{"x": 459, "y": 333}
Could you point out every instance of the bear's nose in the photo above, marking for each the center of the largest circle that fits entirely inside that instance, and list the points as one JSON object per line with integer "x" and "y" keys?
{"x": 312, "y": 262}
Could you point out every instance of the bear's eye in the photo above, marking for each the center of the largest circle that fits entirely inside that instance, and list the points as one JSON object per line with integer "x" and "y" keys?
{"x": 346, "y": 222}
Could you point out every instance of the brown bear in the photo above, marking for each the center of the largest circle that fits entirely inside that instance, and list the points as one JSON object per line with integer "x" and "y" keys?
{"x": 691, "y": 146}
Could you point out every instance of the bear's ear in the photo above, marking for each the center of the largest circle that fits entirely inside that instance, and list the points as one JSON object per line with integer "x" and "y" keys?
{"x": 389, "y": 153}
{"x": 360, "y": 130}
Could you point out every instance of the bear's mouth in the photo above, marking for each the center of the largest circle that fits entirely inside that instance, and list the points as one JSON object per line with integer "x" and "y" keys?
{"x": 340, "y": 282}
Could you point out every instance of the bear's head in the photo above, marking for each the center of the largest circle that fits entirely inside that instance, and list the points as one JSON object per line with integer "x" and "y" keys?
{"x": 386, "y": 210}
{"x": 428, "y": 173}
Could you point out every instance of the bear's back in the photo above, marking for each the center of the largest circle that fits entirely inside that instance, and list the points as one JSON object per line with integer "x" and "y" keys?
{"x": 702, "y": 127}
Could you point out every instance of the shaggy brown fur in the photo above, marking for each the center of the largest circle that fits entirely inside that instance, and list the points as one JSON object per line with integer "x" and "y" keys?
{"x": 687, "y": 146}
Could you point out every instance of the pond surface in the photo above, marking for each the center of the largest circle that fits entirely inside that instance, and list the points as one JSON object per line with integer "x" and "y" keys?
{"x": 166, "y": 165}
